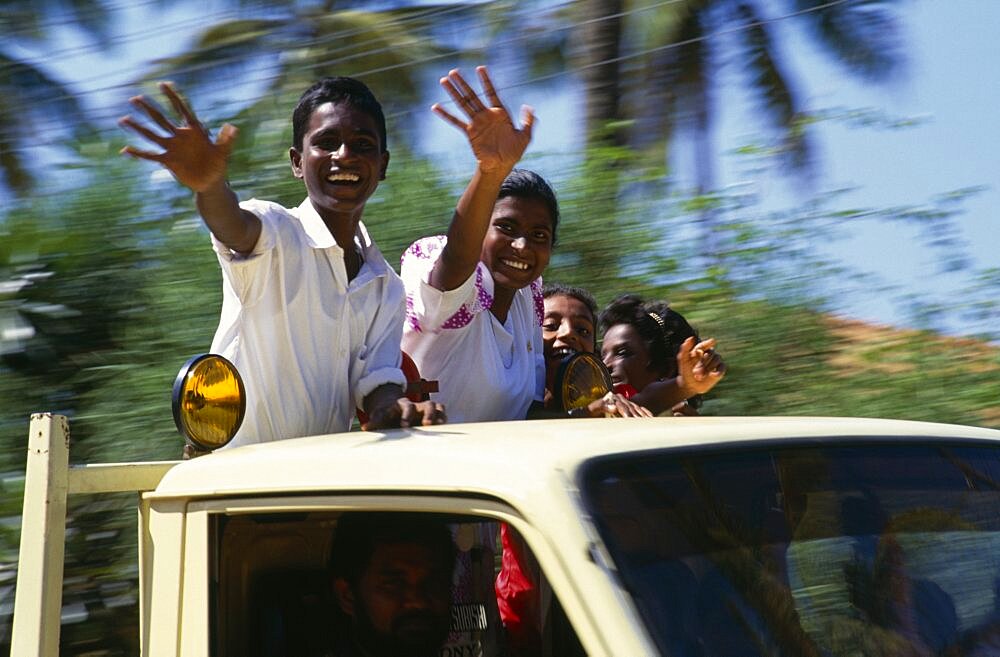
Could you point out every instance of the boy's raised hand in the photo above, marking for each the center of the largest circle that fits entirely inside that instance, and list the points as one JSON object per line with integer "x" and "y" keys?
{"x": 189, "y": 152}
{"x": 496, "y": 142}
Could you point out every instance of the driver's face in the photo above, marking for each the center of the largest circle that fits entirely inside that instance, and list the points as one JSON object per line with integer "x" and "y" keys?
{"x": 403, "y": 602}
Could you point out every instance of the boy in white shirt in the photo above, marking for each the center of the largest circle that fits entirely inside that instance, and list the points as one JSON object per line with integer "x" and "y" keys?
{"x": 311, "y": 310}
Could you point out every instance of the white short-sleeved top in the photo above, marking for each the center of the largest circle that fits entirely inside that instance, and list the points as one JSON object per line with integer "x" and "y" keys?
{"x": 308, "y": 343}
{"x": 485, "y": 370}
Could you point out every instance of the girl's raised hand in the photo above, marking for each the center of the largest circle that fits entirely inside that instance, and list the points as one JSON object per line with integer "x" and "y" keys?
{"x": 496, "y": 142}
{"x": 699, "y": 367}
{"x": 189, "y": 152}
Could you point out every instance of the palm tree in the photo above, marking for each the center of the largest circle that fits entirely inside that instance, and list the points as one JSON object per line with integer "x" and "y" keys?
{"x": 668, "y": 59}
{"x": 601, "y": 37}
{"x": 291, "y": 44}
{"x": 33, "y": 102}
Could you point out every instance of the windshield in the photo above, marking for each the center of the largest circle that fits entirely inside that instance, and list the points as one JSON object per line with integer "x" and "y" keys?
{"x": 881, "y": 548}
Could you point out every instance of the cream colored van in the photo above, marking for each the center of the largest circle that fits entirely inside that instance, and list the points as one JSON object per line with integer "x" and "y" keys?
{"x": 665, "y": 536}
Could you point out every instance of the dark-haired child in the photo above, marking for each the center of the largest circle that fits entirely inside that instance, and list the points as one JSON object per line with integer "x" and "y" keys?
{"x": 569, "y": 323}
{"x": 474, "y": 297}
{"x": 311, "y": 310}
{"x": 569, "y": 326}
{"x": 651, "y": 349}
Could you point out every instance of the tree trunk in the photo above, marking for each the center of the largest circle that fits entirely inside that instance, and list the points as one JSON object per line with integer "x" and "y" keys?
{"x": 600, "y": 48}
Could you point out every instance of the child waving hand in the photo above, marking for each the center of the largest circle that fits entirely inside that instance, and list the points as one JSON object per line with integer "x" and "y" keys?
{"x": 310, "y": 309}
{"x": 474, "y": 300}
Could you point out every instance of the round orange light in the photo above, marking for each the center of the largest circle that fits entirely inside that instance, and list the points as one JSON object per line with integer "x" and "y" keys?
{"x": 581, "y": 379}
{"x": 209, "y": 401}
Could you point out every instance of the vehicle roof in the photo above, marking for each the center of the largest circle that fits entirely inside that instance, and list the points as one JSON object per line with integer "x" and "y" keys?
{"x": 509, "y": 460}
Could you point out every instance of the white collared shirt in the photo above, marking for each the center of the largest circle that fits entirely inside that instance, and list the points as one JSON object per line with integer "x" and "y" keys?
{"x": 308, "y": 343}
{"x": 486, "y": 370}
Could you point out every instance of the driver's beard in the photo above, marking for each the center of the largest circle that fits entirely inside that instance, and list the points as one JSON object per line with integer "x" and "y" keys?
{"x": 401, "y": 641}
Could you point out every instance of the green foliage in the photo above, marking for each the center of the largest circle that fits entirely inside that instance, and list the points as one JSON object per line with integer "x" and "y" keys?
{"x": 765, "y": 293}
{"x": 109, "y": 284}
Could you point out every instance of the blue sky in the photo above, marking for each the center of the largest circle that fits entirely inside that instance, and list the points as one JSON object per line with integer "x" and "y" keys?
{"x": 952, "y": 88}
{"x": 950, "y": 85}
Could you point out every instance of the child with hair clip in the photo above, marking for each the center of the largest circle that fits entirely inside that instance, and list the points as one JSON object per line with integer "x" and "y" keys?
{"x": 656, "y": 358}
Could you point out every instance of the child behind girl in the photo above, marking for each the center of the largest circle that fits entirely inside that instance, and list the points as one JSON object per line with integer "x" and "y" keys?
{"x": 569, "y": 326}
{"x": 653, "y": 351}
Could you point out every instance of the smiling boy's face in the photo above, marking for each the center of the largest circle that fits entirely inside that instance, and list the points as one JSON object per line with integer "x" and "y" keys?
{"x": 341, "y": 161}
{"x": 518, "y": 244}
{"x": 567, "y": 327}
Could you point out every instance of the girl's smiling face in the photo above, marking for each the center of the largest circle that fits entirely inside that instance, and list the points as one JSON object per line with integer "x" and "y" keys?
{"x": 627, "y": 357}
{"x": 518, "y": 243}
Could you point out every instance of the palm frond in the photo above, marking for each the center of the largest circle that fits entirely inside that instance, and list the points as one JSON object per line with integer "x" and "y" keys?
{"x": 32, "y": 91}
{"x": 863, "y": 35}
{"x": 224, "y": 50}
{"x": 283, "y": 55}
{"x": 32, "y": 103}
{"x": 540, "y": 31}
{"x": 34, "y": 19}
{"x": 770, "y": 85}
{"x": 95, "y": 18}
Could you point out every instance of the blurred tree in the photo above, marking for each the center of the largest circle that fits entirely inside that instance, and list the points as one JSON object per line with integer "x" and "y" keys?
{"x": 34, "y": 105}
{"x": 73, "y": 266}
{"x": 274, "y": 52}
{"x": 668, "y": 58}
{"x": 115, "y": 285}
{"x": 662, "y": 61}
{"x": 661, "y": 75}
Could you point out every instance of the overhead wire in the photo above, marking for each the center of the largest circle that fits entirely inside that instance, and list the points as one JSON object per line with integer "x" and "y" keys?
{"x": 677, "y": 44}
{"x": 430, "y": 13}
{"x": 238, "y": 58}
{"x": 73, "y": 17}
{"x": 120, "y": 39}
{"x": 569, "y": 70}
{"x": 202, "y": 19}
{"x": 332, "y": 37}
{"x": 343, "y": 34}
{"x": 210, "y": 19}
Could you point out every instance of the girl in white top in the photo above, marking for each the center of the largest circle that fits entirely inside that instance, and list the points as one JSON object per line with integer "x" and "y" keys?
{"x": 473, "y": 297}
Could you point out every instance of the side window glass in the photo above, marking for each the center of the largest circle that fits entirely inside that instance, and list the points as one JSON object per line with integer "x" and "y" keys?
{"x": 863, "y": 548}
{"x": 322, "y": 584}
